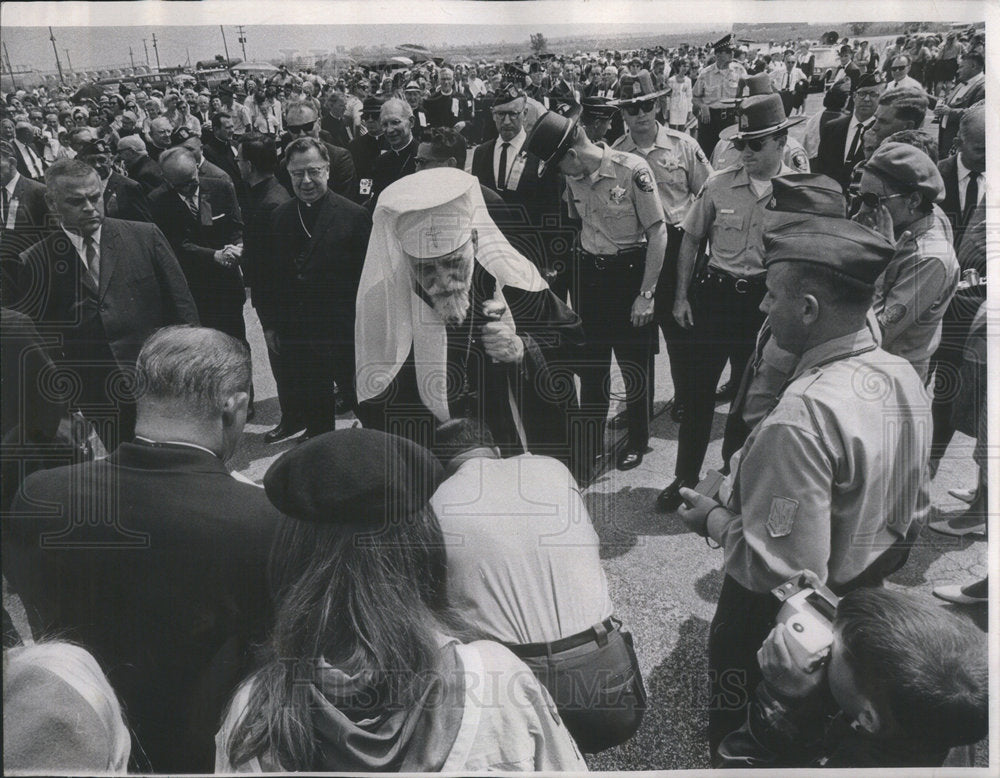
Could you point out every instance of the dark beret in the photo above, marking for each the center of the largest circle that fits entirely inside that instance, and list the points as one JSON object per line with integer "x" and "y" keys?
{"x": 869, "y": 79}
{"x": 908, "y": 166}
{"x": 806, "y": 194}
{"x": 181, "y": 134}
{"x": 353, "y": 476}
{"x": 856, "y": 251}
{"x": 598, "y": 108}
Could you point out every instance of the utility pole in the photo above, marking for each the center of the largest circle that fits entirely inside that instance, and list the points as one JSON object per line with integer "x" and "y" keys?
{"x": 69, "y": 62}
{"x": 243, "y": 42}
{"x": 55, "y": 51}
{"x": 147, "y": 50}
{"x": 224, "y": 46}
{"x": 9, "y": 66}
{"x": 188, "y": 50}
{"x": 156, "y": 51}
{"x": 131, "y": 58}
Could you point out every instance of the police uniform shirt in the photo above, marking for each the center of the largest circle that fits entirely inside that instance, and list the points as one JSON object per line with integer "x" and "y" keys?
{"x": 913, "y": 293}
{"x": 853, "y": 428}
{"x": 714, "y": 84}
{"x": 725, "y": 155}
{"x": 679, "y": 167}
{"x": 732, "y": 216}
{"x": 617, "y": 203}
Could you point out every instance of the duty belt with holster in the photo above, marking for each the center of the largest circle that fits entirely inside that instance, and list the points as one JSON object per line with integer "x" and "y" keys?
{"x": 626, "y": 259}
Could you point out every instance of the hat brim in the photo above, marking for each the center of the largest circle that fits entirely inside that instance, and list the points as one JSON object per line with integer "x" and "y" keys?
{"x": 732, "y": 132}
{"x": 640, "y": 98}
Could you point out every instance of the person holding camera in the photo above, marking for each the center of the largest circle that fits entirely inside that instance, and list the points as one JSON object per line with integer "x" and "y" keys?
{"x": 852, "y": 425}
{"x": 863, "y": 707}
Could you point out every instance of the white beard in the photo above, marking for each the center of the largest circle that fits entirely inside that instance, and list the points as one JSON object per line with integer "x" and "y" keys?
{"x": 452, "y": 307}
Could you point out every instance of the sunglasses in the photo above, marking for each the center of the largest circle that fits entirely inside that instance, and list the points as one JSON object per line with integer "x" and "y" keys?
{"x": 296, "y": 128}
{"x": 644, "y": 106}
{"x": 899, "y": 67}
{"x": 755, "y": 144}
{"x": 874, "y": 201}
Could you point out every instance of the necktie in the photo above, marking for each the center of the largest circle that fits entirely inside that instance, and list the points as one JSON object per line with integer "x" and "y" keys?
{"x": 36, "y": 164}
{"x": 4, "y": 206}
{"x": 192, "y": 206}
{"x": 502, "y": 172}
{"x": 853, "y": 150}
{"x": 93, "y": 265}
{"x": 788, "y": 78}
{"x": 971, "y": 197}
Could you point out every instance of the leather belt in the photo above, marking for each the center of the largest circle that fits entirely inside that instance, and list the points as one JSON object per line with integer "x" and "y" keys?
{"x": 619, "y": 261}
{"x": 738, "y": 284}
{"x": 597, "y": 634}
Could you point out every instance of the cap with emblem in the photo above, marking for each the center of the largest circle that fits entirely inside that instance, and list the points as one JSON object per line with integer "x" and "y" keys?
{"x": 724, "y": 44}
{"x": 356, "y": 477}
{"x": 372, "y": 106}
{"x": 93, "y": 147}
{"x": 758, "y": 117}
{"x": 870, "y": 79}
{"x": 907, "y": 166}
{"x": 804, "y": 196}
{"x": 181, "y": 134}
{"x": 856, "y": 251}
{"x": 553, "y": 134}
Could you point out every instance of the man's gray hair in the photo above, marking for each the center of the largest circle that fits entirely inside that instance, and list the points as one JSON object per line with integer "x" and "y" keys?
{"x": 974, "y": 113}
{"x": 62, "y": 169}
{"x": 399, "y": 103}
{"x": 133, "y": 143}
{"x": 176, "y": 154}
{"x": 195, "y": 368}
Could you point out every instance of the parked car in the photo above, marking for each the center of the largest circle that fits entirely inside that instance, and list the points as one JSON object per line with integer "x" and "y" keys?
{"x": 825, "y": 64}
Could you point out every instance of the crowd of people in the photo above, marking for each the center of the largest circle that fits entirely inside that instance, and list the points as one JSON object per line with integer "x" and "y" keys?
{"x": 457, "y": 257}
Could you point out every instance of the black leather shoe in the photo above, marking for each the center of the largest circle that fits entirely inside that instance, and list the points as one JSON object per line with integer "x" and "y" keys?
{"x": 281, "y": 432}
{"x": 726, "y": 392}
{"x": 629, "y": 459}
{"x": 669, "y": 499}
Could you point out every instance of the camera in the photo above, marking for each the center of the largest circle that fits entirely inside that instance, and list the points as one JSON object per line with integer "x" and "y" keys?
{"x": 807, "y": 611}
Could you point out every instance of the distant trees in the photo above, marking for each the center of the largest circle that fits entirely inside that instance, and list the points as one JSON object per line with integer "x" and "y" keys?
{"x": 538, "y": 43}
{"x": 860, "y": 28}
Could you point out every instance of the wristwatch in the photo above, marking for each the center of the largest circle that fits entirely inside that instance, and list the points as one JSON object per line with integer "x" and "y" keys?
{"x": 648, "y": 293}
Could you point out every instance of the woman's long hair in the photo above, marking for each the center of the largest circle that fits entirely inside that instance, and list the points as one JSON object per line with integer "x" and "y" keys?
{"x": 369, "y": 603}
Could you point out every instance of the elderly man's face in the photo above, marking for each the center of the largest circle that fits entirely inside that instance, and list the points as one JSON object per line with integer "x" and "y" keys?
{"x": 447, "y": 280}
{"x": 78, "y": 203}
{"x": 446, "y": 80}
{"x": 784, "y": 307}
{"x": 395, "y": 125}
{"x": 159, "y": 132}
{"x": 310, "y": 175}
{"x": 900, "y": 67}
{"x": 509, "y": 118}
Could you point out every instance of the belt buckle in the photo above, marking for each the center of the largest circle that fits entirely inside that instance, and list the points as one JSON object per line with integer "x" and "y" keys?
{"x": 600, "y": 263}
{"x": 742, "y": 286}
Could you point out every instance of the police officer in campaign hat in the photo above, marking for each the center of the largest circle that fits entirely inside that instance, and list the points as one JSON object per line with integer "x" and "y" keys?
{"x": 714, "y": 84}
{"x": 598, "y": 115}
{"x": 680, "y": 169}
{"x": 808, "y": 490}
{"x": 720, "y": 302}
{"x": 623, "y": 242}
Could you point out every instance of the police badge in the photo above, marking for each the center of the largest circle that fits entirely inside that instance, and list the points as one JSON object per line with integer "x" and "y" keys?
{"x": 618, "y": 195}
{"x": 781, "y": 517}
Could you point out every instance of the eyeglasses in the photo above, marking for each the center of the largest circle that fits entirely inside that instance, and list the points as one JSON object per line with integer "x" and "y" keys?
{"x": 898, "y": 67}
{"x": 313, "y": 173}
{"x": 874, "y": 201}
{"x": 297, "y": 128}
{"x": 755, "y": 144}
{"x": 506, "y": 114}
{"x": 643, "y": 106}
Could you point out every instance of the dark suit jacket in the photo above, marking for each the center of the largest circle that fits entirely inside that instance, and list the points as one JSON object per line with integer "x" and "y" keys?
{"x": 220, "y": 155}
{"x": 124, "y": 199}
{"x": 309, "y": 285}
{"x": 195, "y": 241}
{"x": 29, "y": 221}
{"x": 147, "y": 173}
{"x": 830, "y": 155}
{"x": 142, "y": 288}
{"x": 947, "y": 135}
{"x": 535, "y": 201}
{"x": 948, "y": 168}
{"x": 167, "y": 588}
{"x": 343, "y": 178}
{"x": 264, "y": 197}
{"x": 22, "y": 165}
{"x": 440, "y": 109}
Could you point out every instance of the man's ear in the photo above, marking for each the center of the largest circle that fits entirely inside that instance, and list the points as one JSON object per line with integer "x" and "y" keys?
{"x": 235, "y": 408}
{"x": 810, "y": 309}
{"x": 868, "y": 719}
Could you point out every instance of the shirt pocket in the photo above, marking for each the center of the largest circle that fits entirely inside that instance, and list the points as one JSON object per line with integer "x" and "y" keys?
{"x": 729, "y": 237}
{"x": 620, "y": 219}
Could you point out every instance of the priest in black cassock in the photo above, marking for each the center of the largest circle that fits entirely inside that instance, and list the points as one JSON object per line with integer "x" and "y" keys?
{"x": 453, "y": 322}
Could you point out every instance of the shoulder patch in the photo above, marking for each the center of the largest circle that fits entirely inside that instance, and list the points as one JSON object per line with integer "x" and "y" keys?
{"x": 700, "y": 155}
{"x": 644, "y": 180}
{"x": 893, "y": 314}
{"x": 781, "y": 517}
{"x": 800, "y": 161}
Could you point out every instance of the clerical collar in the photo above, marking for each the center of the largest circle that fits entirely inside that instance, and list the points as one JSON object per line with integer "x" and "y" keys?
{"x": 179, "y": 443}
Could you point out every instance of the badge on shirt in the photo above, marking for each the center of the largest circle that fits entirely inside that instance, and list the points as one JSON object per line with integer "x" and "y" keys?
{"x": 617, "y": 194}
{"x": 644, "y": 180}
{"x": 892, "y": 314}
{"x": 781, "y": 517}
{"x": 365, "y": 186}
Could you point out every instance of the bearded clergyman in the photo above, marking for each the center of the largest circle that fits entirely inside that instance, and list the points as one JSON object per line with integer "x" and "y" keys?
{"x": 453, "y": 322}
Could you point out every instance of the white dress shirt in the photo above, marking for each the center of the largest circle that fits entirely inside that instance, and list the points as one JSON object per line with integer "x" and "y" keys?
{"x": 12, "y": 202}
{"x": 77, "y": 240}
{"x": 513, "y": 150}
{"x": 851, "y": 129}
